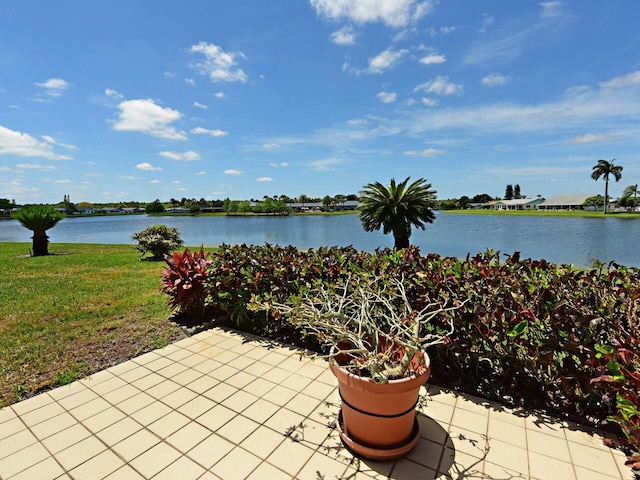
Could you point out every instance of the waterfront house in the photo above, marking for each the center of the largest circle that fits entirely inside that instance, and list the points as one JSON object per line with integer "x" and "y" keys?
{"x": 518, "y": 204}
{"x": 565, "y": 202}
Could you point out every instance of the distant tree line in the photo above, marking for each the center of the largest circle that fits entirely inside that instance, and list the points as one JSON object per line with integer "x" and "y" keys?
{"x": 463, "y": 202}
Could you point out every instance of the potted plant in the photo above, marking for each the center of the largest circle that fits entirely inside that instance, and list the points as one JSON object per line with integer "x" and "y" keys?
{"x": 378, "y": 345}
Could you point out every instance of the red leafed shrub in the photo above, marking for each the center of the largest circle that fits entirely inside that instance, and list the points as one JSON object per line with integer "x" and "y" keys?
{"x": 183, "y": 280}
{"x": 528, "y": 334}
{"x": 620, "y": 386}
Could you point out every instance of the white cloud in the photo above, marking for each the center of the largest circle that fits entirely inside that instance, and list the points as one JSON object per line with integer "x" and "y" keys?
{"x": 516, "y": 36}
{"x": 433, "y": 59}
{"x": 127, "y": 177}
{"x": 219, "y": 95}
{"x": 281, "y": 164}
{"x": 487, "y": 21}
{"x": 264, "y": 179}
{"x": 189, "y": 81}
{"x": 325, "y": 165}
{"x": 385, "y": 60}
{"x": 145, "y": 116}
{"x": 218, "y": 65}
{"x": 344, "y": 36}
{"x": 155, "y": 182}
{"x": 200, "y": 105}
{"x": 186, "y": 156}
{"x": 24, "y": 145}
{"x": 429, "y": 102}
{"x": 629, "y": 80}
{"x": 429, "y": 152}
{"x": 33, "y": 166}
{"x": 54, "y": 86}
{"x": 147, "y": 167}
{"x": 110, "y": 92}
{"x": 617, "y": 108}
{"x": 448, "y": 30}
{"x": 551, "y": 9}
{"x": 51, "y": 140}
{"x": 231, "y": 171}
{"x": 201, "y": 173}
{"x": 593, "y": 138}
{"x": 214, "y": 132}
{"x": 494, "y": 80}
{"x": 271, "y": 146}
{"x": 387, "y": 97}
{"x": 439, "y": 86}
{"x": 393, "y": 13}
{"x": 62, "y": 180}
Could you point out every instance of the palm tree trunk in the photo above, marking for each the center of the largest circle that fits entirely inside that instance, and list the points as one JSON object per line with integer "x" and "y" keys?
{"x": 40, "y": 244}
{"x": 401, "y": 237}
{"x": 606, "y": 193}
{"x": 401, "y": 242}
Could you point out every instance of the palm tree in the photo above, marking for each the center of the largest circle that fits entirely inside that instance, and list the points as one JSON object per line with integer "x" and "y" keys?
{"x": 39, "y": 219}
{"x": 604, "y": 169}
{"x": 632, "y": 190}
{"x": 396, "y": 208}
{"x": 303, "y": 199}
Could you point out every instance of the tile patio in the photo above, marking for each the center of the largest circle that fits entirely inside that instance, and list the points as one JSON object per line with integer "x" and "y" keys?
{"x": 222, "y": 405}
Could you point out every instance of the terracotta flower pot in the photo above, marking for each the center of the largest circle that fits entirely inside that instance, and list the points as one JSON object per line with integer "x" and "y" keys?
{"x": 378, "y": 421}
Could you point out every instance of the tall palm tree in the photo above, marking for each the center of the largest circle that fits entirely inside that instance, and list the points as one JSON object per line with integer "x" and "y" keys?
{"x": 396, "y": 207}
{"x": 39, "y": 219}
{"x": 604, "y": 169}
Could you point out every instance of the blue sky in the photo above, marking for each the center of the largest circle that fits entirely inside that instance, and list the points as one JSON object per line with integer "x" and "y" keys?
{"x": 138, "y": 100}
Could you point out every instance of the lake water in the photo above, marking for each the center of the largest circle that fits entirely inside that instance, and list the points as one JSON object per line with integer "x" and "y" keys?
{"x": 574, "y": 240}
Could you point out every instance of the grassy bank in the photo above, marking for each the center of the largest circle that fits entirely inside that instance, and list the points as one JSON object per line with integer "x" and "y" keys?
{"x": 67, "y": 315}
{"x": 544, "y": 213}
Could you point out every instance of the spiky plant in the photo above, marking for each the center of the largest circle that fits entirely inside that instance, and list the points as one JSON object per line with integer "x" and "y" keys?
{"x": 396, "y": 208}
{"x": 38, "y": 219}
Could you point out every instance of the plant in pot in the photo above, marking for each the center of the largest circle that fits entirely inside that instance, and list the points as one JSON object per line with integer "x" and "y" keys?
{"x": 378, "y": 345}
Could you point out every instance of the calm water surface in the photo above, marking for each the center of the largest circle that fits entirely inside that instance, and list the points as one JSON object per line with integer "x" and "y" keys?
{"x": 557, "y": 239}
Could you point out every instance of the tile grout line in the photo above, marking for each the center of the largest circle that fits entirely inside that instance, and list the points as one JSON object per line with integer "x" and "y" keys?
{"x": 444, "y": 447}
{"x": 36, "y": 438}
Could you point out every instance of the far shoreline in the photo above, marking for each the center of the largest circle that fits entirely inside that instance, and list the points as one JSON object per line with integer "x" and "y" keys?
{"x": 543, "y": 213}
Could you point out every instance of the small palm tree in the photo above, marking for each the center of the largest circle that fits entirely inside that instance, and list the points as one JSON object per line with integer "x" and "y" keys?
{"x": 632, "y": 190}
{"x": 39, "y": 219}
{"x": 396, "y": 208}
{"x": 604, "y": 169}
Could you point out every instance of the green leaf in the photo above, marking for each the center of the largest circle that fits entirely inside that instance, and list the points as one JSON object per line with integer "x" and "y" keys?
{"x": 519, "y": 329}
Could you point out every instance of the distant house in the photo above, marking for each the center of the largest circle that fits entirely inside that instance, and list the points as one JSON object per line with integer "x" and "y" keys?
{"x": 109, "y": 210}
{"x": 177, "y": 210}
{"x": 518, "y": 204}
{"x": 318, "y": 206}
{"x": 348, "y": 205}
{"x": 565, "y": 202}
{"x": 85, "y": 210}
{"x": 5, "y": 212}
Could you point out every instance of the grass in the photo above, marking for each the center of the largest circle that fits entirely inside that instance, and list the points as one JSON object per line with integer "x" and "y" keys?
{"x": 75, "y": 312}
{"x": 544, "y": 213}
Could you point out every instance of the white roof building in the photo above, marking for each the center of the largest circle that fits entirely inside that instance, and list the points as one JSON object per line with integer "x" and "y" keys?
{"x": 565, "y": 202}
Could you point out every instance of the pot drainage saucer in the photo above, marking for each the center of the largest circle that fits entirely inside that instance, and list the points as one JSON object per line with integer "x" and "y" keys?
{"x": 379, "y": 453}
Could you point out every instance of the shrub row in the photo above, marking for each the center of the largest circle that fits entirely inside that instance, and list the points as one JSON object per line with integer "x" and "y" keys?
{"x": 533, "y": 334}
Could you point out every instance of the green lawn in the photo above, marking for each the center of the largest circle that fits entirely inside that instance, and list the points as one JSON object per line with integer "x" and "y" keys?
{"x": 77, "y": 311}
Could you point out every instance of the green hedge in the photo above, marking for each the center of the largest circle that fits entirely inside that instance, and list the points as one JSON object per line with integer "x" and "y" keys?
{"x": 533, "y": 334}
